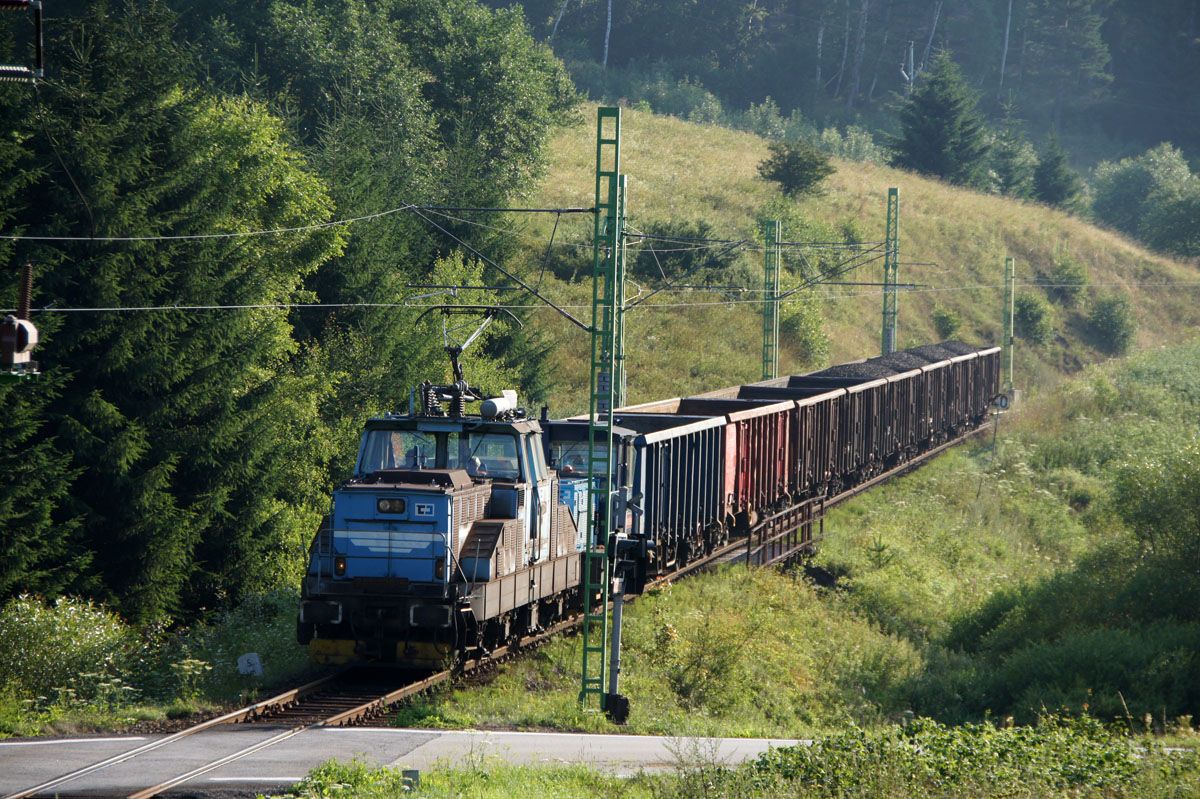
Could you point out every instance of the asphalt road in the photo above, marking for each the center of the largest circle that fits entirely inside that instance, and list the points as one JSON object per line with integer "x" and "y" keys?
{"x": 26, "y": 763}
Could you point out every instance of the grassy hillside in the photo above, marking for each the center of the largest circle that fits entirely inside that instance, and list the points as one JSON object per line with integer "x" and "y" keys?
{"x": 684, "y": 172}
{"x": 1056, "y": 570}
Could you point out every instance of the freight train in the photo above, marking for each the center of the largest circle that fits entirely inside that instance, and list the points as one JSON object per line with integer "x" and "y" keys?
{"x": 459, "y": 532}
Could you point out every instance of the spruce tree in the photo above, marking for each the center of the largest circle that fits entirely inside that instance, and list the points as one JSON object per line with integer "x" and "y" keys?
{"x": 193, "y": 448}
{"x": 942, "y": 132}
{"x": 1013, "y": 160}
{"x": 38, "y": 530}
{"x": 1054, "y": 182}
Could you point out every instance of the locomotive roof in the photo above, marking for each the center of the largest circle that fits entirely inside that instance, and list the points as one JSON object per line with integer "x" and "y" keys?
{"x": 446, "y": 424}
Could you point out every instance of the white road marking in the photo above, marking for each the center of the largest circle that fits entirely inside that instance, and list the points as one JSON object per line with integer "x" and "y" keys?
{"x": 68, "y": 741}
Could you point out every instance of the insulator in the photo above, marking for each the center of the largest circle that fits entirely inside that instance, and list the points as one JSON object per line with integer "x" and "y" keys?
{"x": 14, "y": 5}
{"x": 11, "y": 74}
{"x": 458, "y": 406}
{"x": 26, "y": 293}
{"x": 432, "y": 406}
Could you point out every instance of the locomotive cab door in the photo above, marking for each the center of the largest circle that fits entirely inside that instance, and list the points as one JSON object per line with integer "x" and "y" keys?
{"x": 541, "y": 505}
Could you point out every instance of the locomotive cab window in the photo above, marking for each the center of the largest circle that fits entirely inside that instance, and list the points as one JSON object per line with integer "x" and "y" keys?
{"x": 484, "y": 454}
{"x": 492, "y": 455}
{"x": 397, "y": 449}
{"x": 570, "y": 458}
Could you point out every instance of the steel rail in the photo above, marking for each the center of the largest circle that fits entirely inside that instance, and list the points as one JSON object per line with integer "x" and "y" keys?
{"x": 249, "y": 712}
{"x": 366, "y": 709}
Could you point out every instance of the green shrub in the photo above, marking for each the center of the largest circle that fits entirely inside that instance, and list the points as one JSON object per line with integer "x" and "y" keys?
{"x": 1112, "y": 323}
{"x": 1170, "y": 223}
{"x": 1067, "y": 281}
{"x": 1058, "y": 753}
{"x": 1054, "y": 181}
{"x": 260, "y": 623}
{"x": 797, "y": 166}
{"x": 802, "y": 330}
{"x": 1125, "y": 190}
{"x": 765, "y": 120}
{"x": 668, "y": 256}
{"x": 1158, "y": 496}
{"x": 856, "y": 144}
{"x": 1078, "y": 489}
{"x": 73, "y": 648}
{"x": 946, "y": 322}
{"x": 1032, "y": 316}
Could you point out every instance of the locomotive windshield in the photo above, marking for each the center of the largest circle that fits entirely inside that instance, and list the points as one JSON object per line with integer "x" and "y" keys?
{"x": 482, "y": 454}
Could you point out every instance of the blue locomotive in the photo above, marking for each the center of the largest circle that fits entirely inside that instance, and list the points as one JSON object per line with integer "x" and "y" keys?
{"x": 449, "y": 536}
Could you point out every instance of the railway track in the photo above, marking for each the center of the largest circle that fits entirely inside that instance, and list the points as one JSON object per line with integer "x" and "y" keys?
{"x": 365, "y": 693}
{"x": 352, "y": 696}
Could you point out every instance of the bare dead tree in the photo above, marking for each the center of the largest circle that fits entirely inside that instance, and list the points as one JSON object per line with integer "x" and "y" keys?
{"x": 887, "y": 31}
{"x": 820, "y": 47}
{"x": 561, "y": 10}
{"x": 937, "y": 13}
{"x": 878, "y": 61}
{"x": 1004, "y": 52}
{"x": 607, "y": 33}
{"x": 837, "y": 91}
{"x": 860, "y": 50}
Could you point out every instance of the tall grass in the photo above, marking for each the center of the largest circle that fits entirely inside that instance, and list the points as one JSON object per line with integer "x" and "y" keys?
{"x": 735, "y": 652}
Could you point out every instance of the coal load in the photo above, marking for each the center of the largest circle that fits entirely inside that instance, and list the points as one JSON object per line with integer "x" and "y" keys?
{"x": 958, "y": 348}
{"x": 932, "y": 353}
{"x": 865, "y": 370}
{"x": 900, "y": 361}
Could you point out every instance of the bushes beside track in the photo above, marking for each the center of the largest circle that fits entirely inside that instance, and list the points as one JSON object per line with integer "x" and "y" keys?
{"x": 75, "y": 665}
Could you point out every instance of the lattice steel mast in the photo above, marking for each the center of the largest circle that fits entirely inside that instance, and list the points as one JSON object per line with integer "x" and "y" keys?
{"x": 891, "y": 263}
{"x": 607, "y": 381}
{"x": 771, "y": 259}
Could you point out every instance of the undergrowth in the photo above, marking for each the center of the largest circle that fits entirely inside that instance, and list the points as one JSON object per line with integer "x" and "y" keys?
{"x": 72, "y": 665}
{"x": 1058, "y": 757}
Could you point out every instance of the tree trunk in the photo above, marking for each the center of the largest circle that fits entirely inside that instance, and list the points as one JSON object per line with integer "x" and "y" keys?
{"x": 1021, "y": 55}
{"x": 878, "y": 61}
{"x": 837, "y": 91}
{"x": 607, "y": 33}
{"x": 937, "y": 13}
{"x": 887, "y": 31}
{"x": 561, "y": 10}
{"x": 860, "y": 50}
{"x": 820, "y": 48}
{"x": 1004, "y": 52}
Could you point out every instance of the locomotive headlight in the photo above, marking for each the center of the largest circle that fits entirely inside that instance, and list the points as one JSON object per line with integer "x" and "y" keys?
{"x": 339, "y": 566}
{"x": 391, "y": 506}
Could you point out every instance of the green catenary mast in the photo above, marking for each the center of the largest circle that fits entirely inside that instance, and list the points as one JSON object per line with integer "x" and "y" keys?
{"x": 891, "y": 263}
{"x": 770, "y": 353}
{"x": 606, "y": 382}
{"x": 1009, "y": 299}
